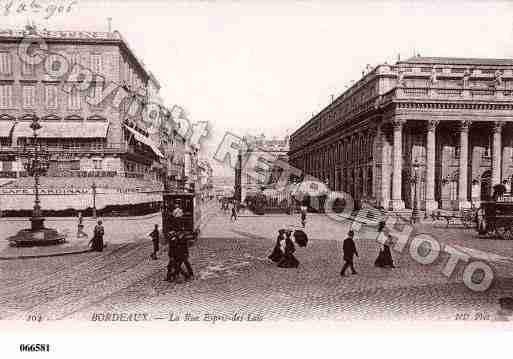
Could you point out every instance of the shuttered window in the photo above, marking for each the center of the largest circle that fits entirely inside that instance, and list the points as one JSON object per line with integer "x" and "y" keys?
{"x": 5, "y": 63}
{"x": 6, "y": 96}
{"x": 29, "y": 96}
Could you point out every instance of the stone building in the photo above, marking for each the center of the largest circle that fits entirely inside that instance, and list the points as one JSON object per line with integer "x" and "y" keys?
{"x": 88, "y": 93}
{"x": 449, "y": 120}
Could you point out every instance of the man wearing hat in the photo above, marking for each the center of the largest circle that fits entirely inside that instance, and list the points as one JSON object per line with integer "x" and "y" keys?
{"x": 349, "y": 248}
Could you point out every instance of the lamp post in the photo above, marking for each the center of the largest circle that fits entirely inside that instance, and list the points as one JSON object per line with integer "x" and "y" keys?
{"x": 37, "y": 235}
{"x": 93, "y": 187}
{"x": 415, "y": 216}
{"x": 35, "y": 167}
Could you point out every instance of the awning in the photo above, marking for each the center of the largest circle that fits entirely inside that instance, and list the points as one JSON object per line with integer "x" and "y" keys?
{"x": 5, "y": 128}
{"x": 145, "y": 140}
{"x": 64, "y": 129}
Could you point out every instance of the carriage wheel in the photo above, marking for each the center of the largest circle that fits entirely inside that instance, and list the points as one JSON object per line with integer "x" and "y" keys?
{"x": 504, "y": 232}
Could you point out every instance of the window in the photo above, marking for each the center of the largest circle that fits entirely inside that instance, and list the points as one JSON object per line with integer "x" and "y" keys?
{"x": 97, "y": 164}
{"x": 74, "y": 100}
{"x": 29, "y": 96}
{"x": 96, "y": 94}
{"x": 5, "y": 63}
{"x": 26, "y": 68}
{"x": 74, "y": 58}
{"x": 6, "y": 96}
{"x": 51, "y": 98}
{"x": 96, "y": 63}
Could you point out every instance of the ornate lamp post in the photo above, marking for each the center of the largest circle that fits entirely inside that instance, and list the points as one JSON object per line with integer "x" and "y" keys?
{"x": 36, "y": 167}
{"x": 93, "y": 187}
{"x": 415, "y": 216}
{"x": 37, "y": 235}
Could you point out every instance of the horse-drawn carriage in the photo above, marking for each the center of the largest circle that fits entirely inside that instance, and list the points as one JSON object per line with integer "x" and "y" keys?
{"x": 496, "y": 217}
{"x": 189, "y": 222}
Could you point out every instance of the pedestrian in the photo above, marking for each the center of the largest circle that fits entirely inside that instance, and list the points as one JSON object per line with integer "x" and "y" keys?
{"x": 171, "y": 252}
{"x": 385, "y": 255}
{"x": 303, "y": 215}
{"x": 80, "y": 226}
{"x": 155, "y": 237}
{"x": 289, "y": 260}
{"x": 97, "y": 240}
{"x": 277, "y": 254}
{"x": 177, "y": 218}
{"x": 182, "y": 257}
{"x": 349, "y": 248}
{"x": 233, "y": 217}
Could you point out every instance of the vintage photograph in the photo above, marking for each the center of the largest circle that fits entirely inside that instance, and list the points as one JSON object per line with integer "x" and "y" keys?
{"x": 243, "y": 164}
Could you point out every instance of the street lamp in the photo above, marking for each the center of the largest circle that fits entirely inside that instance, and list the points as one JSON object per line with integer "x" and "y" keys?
{"x": 93, "y": 187}
{"x": 415, "y": 216}
{"x": 36, "y": 167}
{"x": 37, "y": 234}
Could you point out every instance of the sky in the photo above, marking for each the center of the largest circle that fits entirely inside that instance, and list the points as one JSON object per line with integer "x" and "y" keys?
{"x": 252, "y": 67}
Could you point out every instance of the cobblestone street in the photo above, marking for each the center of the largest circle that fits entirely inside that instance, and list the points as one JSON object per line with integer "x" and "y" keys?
{"x": 233, "y": 275}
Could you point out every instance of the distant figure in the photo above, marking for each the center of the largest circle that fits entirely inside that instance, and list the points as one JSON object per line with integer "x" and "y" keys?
{"x": 80, "y": 226}
{"x": 303, "y": 215}
{"x": 277, "y": 253}
{"x": 97, "y": 240}
{"x": 177, "y": 215}
{"x": 155, "y": 236}
{"x": 385, "y": 255}
{"x": 233, "y": 217}
{"x": 182, "y": 257}
{"x": 177, "y": 212}
{"x": 289, "y": 260}
{"x": 349, "y": 248}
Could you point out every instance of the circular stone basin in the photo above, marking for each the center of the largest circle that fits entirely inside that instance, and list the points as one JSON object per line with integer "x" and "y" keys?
{"x": 30, "y": 238}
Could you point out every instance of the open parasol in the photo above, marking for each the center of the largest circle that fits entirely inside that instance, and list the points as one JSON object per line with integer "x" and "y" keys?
{"x": 300, "y": 237}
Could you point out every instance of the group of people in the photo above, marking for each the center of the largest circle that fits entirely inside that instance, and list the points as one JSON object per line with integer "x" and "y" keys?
{"x": 178, "y": 254}
{"x": 284, "y": 256}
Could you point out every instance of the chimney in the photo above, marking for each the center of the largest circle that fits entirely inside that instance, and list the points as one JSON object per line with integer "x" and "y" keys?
{"x": 109, "y": 22}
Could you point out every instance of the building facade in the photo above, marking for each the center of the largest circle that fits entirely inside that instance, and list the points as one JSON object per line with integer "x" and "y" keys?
{"x": 98, "y": 130}
{"x": 268, "y": 150}
{"x": 445, "y": 124}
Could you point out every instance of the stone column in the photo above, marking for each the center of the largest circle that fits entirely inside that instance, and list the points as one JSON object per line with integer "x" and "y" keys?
{"x": 463, "y": 166}
{"x": 496, "y": 153}
{"x": 431, "y": 204}
{"x": 397, "y": 168}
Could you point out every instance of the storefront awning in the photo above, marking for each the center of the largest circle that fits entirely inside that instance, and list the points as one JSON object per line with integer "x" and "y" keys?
{"x": 145, "y": 140}
{"x": 63, "y": 129}
{"x": 5, "y": 128}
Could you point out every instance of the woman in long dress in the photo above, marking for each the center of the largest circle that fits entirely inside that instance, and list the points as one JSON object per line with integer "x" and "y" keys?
{"x": 385, "y": 255}
{"x": 277, "y": 253}
{"x": 288, "y": 260}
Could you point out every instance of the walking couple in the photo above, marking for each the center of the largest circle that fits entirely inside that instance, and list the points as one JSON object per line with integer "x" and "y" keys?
{"x": 284, "y": 257}
{"x": 178, "y": 252}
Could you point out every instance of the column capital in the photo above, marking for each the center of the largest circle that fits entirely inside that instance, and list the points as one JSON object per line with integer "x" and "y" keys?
{"x": 497, "y": 126}
{"x": 398, "y": 123}
{"x": 431, "y": 124}
{"x": 465, "y": 125}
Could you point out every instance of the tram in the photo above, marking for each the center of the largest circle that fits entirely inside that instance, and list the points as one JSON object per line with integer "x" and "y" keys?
{"x": 190, "y": 221}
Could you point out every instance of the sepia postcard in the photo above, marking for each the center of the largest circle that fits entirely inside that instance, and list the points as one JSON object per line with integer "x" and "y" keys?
{"x": 176, "y": 174}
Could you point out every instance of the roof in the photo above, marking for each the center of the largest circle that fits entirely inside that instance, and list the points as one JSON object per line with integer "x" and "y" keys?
{"x": 457, "y": 61}
{"x": 145, "y": 140}
{"x": 64, "y": 129}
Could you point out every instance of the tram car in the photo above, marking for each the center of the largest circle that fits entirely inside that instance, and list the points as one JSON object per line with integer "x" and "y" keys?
{"x": 496, "y": 217}
{"x": 190, "y": 221}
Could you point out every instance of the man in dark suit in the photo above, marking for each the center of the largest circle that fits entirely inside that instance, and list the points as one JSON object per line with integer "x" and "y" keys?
{"x": 349, "y": 248}
{"x": 171, "y": 272}
{"x": 182, "y": 256}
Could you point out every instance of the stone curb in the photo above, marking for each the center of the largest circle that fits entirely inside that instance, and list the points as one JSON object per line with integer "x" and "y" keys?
{"x": 45, "y": 255}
